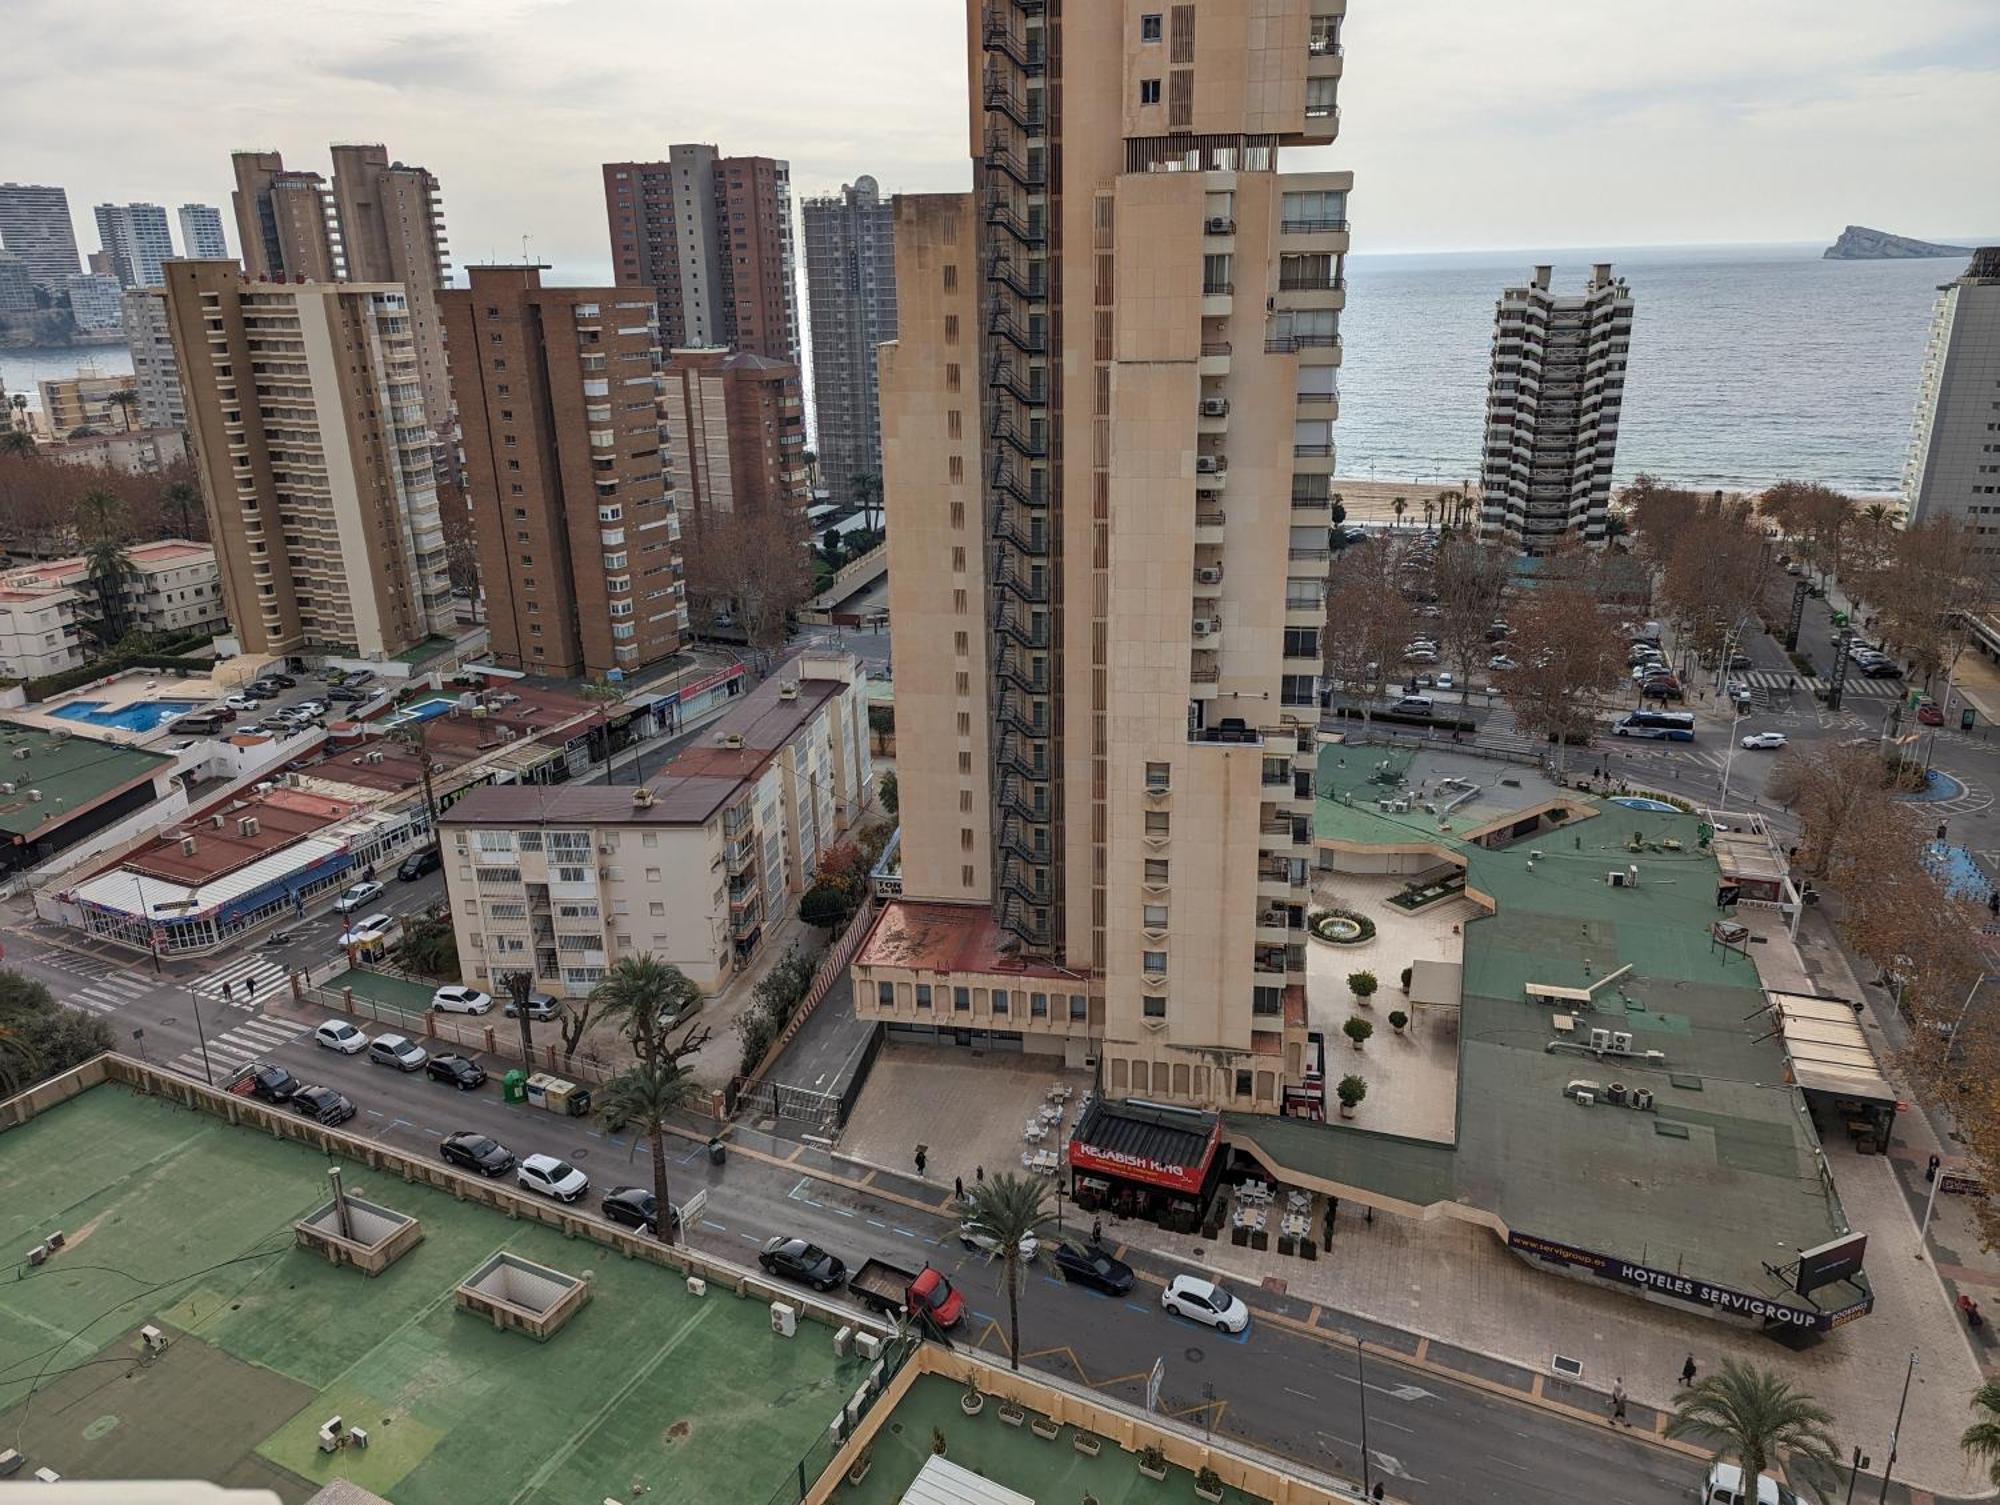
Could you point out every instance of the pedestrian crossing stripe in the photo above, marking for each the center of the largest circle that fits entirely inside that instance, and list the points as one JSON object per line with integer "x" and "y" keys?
{"x": 251, "y": 1040}
{"x": 241, "y": 982}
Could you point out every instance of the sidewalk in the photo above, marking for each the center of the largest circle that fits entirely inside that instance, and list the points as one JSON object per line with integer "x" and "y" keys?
{"x": 716, "y": 1062}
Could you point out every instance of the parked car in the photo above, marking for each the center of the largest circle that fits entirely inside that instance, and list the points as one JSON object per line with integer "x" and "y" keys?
{"x": 636, "y": 1207}
{"x": 272, "y": 1083}
{"x": 541, "y": 1007}
{"x": 1739, "y": 660}
{"x": 1882, "y": 669}
{"x": 1929, "y": 713}
{"x": 338, "y": 1034}
{"x": 1417, "y": 705}
{"x": 456, "y": 1070}
{"x": 373, "y": 924}
{"x": 1206, "y": 1302}
{"x": 242, "y": 702}
{"x": 476, "y": 1152}
{"x": 414, "y": 866}
{"x": 1724, "y": 1486}
{"x": 976, "y": 1238}
{"x": 1764, "y": 741}
{"x": 273, "y": 677}
{"x": 1445, "y": 682}
{"x": 549, "y": 1177}
{"x": 454, "y": 998}
{"x": 1501, "y": 663}
{"x": 797, "y": 1259}
{"x": 309, "y": 708}
{"x": 398, "y": 1051}
{"x": 219, "y": 712}
{"x": 346, "y": 695}
{"x": 323, "y": 1105}
{"x": 1094, "y": 1268}
{"x": 353, "y": 898}
{"x": 1420, "y": 656}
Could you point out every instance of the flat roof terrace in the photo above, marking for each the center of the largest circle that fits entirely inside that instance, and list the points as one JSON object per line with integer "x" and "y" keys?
{"x": 71, "y": 773}
{"x": 693, "y": 1399}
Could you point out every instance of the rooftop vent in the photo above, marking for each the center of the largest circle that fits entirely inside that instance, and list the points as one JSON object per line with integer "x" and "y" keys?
{"x": 642, "y": 798}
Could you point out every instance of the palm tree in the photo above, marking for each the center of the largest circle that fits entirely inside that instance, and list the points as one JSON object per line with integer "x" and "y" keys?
{"x": 1430, "y": 508}
{"x": 868, "y": 492}
{"x": 1008, "y": 1208}
{"x": 184, "y": 499}
{"x": 1399, "y": 506}
{"x": 1753, "y": 1415}
{"x": 125, "y": 400}
{"x": 647, "y": 1098}
{"x": 1878, "y": 515}
{"x": 15, "y": 441}
{"x": 636, "y": 993}
{"x": 108, "y": 565}
{"x": 1982, "y": 1438}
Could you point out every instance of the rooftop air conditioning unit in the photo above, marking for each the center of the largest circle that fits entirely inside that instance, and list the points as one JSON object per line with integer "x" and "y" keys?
{"x": 248, "y": 826}
{"x": 1615, "y": 878}
{"x": 24, "y": 753}
{"x": 1615, "y": 1094}
{"x": 1600, "y": 1040}
{"x": 187, "y": 846}
{"x": 642, "y": 798}
{"x": 1585, "y": 1098}
{"x": 1642, "y": 1099}
{"x": 784, "y": 1319}
{"x": 153, "y": 1338}
{"x": 729, "y": 739}
{"x": 788, "y": 690}
{"x": 216, "y": 820}
{"x": 8, "y": 787}
{"x": 1621, "y": 1039}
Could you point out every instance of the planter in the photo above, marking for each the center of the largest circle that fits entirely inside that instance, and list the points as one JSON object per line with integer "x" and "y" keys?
{"x": 971, "y": 1402}
{"x": 1214, "y": 1497}
{"x": 1259, "y": 1239}
{"x": 1150, "y": 1472}
{"x": 1087, "y": 1444}
{"x": 858, "y": 1470}
{"x": 1012, "y": 1414}
{"x": 1239, "y": 1236}
{"x": 1045, "y": 1428}
{"x": 1345, "y": 1111}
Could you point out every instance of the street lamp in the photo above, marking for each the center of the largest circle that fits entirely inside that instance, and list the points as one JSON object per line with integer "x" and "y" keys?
{"x": 1361, "y": 1373}
{"x": 1889, "y": 1467}
{"x": 1729, "y": 756}
{"x": 194, "y": 1002}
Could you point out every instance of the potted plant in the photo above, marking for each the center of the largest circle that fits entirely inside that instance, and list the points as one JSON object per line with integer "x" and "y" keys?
{"x": 1357, "y": 1029}
{"x": 858, "y": 1469}
{"x": 937, "y": 1441}
{"x": 1362, "y": 985}
{"x": 1208, "y": 1485}
{"x": 1012, "y": 1413}
{"x": 1407, "y": 972}
{"x": 1398, "y": 1020}
{"x": 1152, "y": 1462}
{"x": 1045, "y": 1427}
{"x": 970, "y": 1401}
{"x": 1089, "y": 1499}
{"x": 1087, "y": 1443}
{"x": 1350, "y": 1092}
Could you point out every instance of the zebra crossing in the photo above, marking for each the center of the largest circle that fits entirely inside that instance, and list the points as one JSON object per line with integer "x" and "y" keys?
{"x": 244, "y": 1042}
{"x": 105, "y": 996}
{"x": 243, "y": 982}
{"x": 1856, "y": 686}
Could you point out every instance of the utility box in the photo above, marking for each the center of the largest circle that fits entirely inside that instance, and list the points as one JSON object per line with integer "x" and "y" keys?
{"x": 784, "y": 1320}
{"x": 514, "y": 1086}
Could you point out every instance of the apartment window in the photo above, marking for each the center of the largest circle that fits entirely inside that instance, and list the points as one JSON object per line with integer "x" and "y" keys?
{"x": 951, "y": 329}
{"x": 951, "y": 377}
{"x": 961, "y": 644}
{"x": 1149, "y": 91}
{"x": 958, "y": 513}
{"x": 1267, "y": 1002}
{"x": 965, "y": 876}
{"x": 1157, "y": 823}
{"x": 951, "y": 278}
{"x": 1079, "y": 1006}
{"x": 923, "y": 995}
{"x": 961, "y": 1000}
{"x": 965, "y": 838}
{"x": 656, "y": 907}
{"x": 954, "y": 423}
{"x": 962, "y": 682}
{"x": 885, "y": 994}
{"x": 1153, "y": 916}
{"x": 1000, "y": 1000}
{"x": 955, "y": 469}
{"x": 1153, "y": 961}
{"x": 965, "y": 801}
{"x": 1158, "y": 775}
{"x": 1156, "y": 870}
{"x": 1154, "y": 1006}
{"x": 1242, "y": 1084}
{"x": 965, "y": 723}
{"x": 1038, "y": 1005}
{"x": 965, "y": 763}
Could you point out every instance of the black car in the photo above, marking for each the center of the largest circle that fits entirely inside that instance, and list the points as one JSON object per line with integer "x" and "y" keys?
{"x": 1881, "y": 669}
{"x": 429, "y": 860}
{"x": 273, "y": 1084}
{"x": 459, "y": 1072}
{"x": 282, "y": 681}
{"x": 345, "y": 694}
{"x": 476, "y": 1152}
{"x": 1739, "y": 660}
{"x": 635, "y": 1207}
{"x": 796, "y": 1259}
{"x": 323, "y": 1105}
{"x": 1094, "y": 1268}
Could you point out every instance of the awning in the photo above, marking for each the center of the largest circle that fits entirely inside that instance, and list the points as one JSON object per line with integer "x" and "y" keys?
{"x": 942, "y": 1482}
{"x": 1147, "y": 1142}
{"x": 1828, "y": 1051}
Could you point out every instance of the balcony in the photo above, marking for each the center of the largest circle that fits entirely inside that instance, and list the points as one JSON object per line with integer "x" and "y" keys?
{"x": 1217, "y": 299}
{"x": 1214, "y": 359}
{"x": 1213, "y": 416}
{"x": 1210, "y": 472}
{"x": 1208, "y": 524}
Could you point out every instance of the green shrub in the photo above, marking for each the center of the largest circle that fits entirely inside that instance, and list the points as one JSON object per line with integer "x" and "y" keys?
{"x": 1351, "y": 1090}
{"x": 1362, "y": 985}
{"x": 1397, "y": 1020}
{"x": 1357, "y": 1030}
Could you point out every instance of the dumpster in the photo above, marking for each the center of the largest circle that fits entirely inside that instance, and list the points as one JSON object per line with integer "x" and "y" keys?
{"x": 514, "y": 1086}
{"x": 715, "y": 1152}
{"x": 564, "y": 1097}
{"x": 540, "y": 1085}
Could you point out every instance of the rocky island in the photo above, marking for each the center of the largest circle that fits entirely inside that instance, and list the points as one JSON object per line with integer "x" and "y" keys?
{"x": 1859, "y": 243}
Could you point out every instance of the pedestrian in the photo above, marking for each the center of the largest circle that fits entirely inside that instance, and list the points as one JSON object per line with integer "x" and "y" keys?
{"x": 1687, "y": 1372}
{"x": 249, "y": 988}
{"x": 1618, "y": 1404}
{"x": 1096, "y": 1231}
{"x": 922, "y": 1156}
{"x": 958, "y": 1187}
{"x": 979, "y": 1174}
{"x": 1375, "y": 1494}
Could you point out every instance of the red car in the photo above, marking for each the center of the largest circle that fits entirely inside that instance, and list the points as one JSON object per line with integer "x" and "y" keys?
{"x": 1929, "y": 714}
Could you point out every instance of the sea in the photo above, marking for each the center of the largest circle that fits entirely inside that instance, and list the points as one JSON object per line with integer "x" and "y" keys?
{"x": 1749, "y": 364}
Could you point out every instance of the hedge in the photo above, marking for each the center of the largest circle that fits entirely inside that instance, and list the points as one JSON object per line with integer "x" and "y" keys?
{"x": 103, "y": 668}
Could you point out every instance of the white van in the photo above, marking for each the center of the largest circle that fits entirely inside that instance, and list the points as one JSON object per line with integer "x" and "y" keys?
{"x": 1724, "y": 1486}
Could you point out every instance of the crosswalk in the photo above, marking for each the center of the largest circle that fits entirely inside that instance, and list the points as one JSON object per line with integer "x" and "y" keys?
{"x": 105, "y": 996}
{"x": 1856, "y": 686}
{"x": 246, "y": 1041}
{"x": 243, "y": 982}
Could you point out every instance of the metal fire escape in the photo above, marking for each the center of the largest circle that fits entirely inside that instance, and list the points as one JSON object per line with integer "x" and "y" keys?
{"x": 1013, "y": 197}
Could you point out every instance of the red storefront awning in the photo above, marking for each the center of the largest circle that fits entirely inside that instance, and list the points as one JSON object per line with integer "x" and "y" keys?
{"x": 1164, "y": 1147}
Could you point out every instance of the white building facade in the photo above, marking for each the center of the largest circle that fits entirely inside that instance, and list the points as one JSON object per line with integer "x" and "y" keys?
{"x": 1953, "y": 469}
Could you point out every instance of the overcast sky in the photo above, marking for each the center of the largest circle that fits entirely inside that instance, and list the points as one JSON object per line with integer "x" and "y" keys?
{"x": 1470, "y": 124}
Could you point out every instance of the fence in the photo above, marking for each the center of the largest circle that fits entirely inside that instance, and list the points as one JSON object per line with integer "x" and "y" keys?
{"x": 822, "y": 1110}
{"x": 833, "y": 961}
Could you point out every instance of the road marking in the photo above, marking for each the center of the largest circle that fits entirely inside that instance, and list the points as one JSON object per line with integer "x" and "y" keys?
{"x": 1300, "y": 1394}
{"x": 846, "y": 1212}
{"x": 711, "y": 1223}
{"x": 904, "y": 1231}
{"x": 1505, "y": 1464}
{"x": 877, "y": 1223}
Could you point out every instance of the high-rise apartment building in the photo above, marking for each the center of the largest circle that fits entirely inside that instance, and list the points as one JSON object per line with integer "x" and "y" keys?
{"x": 93, "y": 301}
{"x": 285, "y": 221}
{"x": 559, "y": 407}
{"x": 201, "y": 233}
{"x": 392, "y": 230}
{"x": 1107, "y": 451}
{"x": 1552, "y": 405}
{"x": 307, "y": 419}
{"x": 712, "y": 236}
{"x": 736, "y": 436}
{"x": 17, "y": 286}
{"x": 1954, "y": 465}
{"x": 143, "y": 312}
{"x": 35, "y": 226}
{"x": 136, "y": 239}
{"x": 851, "y": 292}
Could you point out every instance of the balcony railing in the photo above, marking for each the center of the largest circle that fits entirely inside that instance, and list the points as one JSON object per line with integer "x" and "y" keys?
{"x": 1297, "y": 284}
{"x": 1312, "y": 225}
{"x": 1319, "y": 399}
{"x": 1305, "y": 450}
{"x": 1215, "y": 347}
{"x": 1217, "y": 289}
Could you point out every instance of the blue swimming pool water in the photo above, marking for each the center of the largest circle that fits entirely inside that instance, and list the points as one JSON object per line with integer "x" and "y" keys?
{"x": 137, "y": 716}
{"x": 423, "y": 710}
{"x": 1637, "y": 802}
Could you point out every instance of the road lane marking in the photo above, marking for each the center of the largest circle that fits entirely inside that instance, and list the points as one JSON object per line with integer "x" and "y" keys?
{"x": 1300, "y": 1394}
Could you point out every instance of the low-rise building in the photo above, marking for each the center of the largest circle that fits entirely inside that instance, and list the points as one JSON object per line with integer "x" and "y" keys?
{"x": 89, "y": 399}
{"x": 692, "y": 866}
{"x": 57, "y": 789}
{"x": 142, "y": 452}
{"x": 173, "y": 587}
{"x": 39, "y": 633}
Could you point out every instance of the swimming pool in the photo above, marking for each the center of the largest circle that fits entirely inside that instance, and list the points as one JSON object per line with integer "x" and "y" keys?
{"x": 423, "y": 710}
{"x": 134, "y": 716}
{"x": 1638, "y": 802}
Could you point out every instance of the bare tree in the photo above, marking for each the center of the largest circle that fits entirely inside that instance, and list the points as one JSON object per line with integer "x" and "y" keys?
{"x": 1928, "y": 592}
{"x": 752, "y": 566}
{"x": 1470, "y": 578}
{"x": 1369, "y": 618}
{"x": 1832, "y": 790}
{"x": 1569, "y": 659}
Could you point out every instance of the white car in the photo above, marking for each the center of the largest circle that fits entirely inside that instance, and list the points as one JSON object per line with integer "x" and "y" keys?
{"x": 454, "y": 999}
{"x": 373, "y": 925}
{"x": 338, "y": 1034}
{"x": 974, "y": 1237}
{"x": 353, "y": 898}
{"x": 1501, "y": 663}
{"x": 1445, "y": 682}
{"x": 1205, "y": 1302}
{"x": 551, "y": 1177}
{"x": 1764, "y": 740}
{"x": 242, "y": 702}
{"x": 1420, "y": 656}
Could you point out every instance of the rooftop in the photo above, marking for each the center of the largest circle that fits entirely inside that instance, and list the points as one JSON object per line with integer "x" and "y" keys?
{"x": 50, "y": 574}
{"x": 927, "y": 936}
{"x": 282, "y": 816}
{"x": 71, "y": 772}
{"x": 648, "y": 1391}
{"x": 741, "y": 742}
{"x": 676, "y": 802}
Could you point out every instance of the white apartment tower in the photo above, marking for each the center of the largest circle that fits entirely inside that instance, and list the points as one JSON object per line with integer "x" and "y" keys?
{"x": 201, "y": 233}
{"x": 1552, "y": 403}
{"x": 1954, "y": 465}
{"x": 136, "y": 238}
{"x": 1107, "y": 451}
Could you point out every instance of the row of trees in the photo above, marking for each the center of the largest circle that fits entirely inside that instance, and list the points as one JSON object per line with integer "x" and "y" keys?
{"x": 40, "y": 1038}
{"x": 42, "y": 500}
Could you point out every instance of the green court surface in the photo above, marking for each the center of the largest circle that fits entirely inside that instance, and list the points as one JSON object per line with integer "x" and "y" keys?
{"x": 1051, "y": 1471}
{"x": 391, "y": 993}
{"x": 177, "y": 1219}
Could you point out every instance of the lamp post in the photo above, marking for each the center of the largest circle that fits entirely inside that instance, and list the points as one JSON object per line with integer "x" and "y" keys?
{"x": 1361, "y": 1374}
{"x": 1889, "y": 1466}
{"x": 194, "y": 1002}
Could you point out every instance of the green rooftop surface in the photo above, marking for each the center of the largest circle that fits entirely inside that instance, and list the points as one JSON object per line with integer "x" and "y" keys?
{"x": 70, "y": 771}
{"x": 1723, "y": 1176}
{"x": 1050, "y": 1472}
{"x": 179, "y": 1219}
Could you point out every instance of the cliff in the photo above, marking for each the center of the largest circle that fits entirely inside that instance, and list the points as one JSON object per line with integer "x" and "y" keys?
{"x": 1859, "y": 243}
